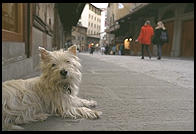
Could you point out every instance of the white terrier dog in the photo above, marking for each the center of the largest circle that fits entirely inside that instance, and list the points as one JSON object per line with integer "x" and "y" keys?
{"x": 53, "y": 93}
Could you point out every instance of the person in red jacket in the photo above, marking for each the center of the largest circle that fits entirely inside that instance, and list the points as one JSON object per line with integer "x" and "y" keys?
{"x": 145, "y": 37}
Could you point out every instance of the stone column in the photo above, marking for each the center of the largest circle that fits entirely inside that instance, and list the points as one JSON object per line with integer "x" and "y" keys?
{"x": 177, "y": 33}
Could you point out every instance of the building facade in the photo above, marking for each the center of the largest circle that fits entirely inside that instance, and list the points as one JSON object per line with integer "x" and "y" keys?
{"x": 178, "y": 19}
{"x": 91, "y": 18}
{"x": 103, "y": 27}
{"x": 116, "y": 11}
{"x": 79, "y": 37}
{"x": 25, "y": 27}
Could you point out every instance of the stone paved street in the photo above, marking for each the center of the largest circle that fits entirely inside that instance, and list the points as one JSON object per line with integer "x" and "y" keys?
{"x": 133, "y": 94}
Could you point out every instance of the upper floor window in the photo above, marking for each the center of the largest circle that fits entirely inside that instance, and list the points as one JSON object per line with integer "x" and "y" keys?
{"x": 90, "y": 7}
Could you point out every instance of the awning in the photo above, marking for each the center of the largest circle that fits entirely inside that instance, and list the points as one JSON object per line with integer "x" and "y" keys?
{"x": 70, "y": 14}
{"x": 114, "y": 27}
{"x": 145, "y": 9}
{"x": 133, "y": 11}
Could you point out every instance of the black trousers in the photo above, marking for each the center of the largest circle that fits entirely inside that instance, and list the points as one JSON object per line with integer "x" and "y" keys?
{"x": 159, "y": 49}
{"x": 147, "y": 49}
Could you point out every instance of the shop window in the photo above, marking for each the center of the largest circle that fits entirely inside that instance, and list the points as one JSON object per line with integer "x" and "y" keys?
{"x": 12, "y": 22}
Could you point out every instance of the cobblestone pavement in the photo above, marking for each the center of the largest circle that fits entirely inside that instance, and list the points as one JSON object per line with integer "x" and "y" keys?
{"x": 133, "y": 94}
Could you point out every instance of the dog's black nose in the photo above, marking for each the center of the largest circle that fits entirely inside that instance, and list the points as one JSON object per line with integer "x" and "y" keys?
{"x": 63, "y": 72}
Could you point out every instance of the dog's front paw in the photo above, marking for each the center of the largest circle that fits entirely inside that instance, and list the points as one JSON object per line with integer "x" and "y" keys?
{"x": 94, "y": 114}
{"x": 98, "y": 113}
{"x": 16, "y": 127}
{"x": 41, "y": 116}
{"x": 92, "y": 103}
{"x": 88, "y": 113}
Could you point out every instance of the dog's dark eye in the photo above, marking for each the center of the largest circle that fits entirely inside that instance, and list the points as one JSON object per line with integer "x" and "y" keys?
{"x": 68, "y": 61}
{"x": 53, "y": 65}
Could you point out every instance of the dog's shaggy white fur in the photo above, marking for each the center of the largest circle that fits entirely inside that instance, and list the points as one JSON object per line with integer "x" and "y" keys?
{"x": 53, "y": 93}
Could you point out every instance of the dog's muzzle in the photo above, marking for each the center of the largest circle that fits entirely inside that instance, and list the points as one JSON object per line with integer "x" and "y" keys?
{"x": 63, "y": 73}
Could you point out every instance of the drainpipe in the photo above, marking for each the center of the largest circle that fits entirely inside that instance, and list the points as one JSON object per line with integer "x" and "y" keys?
{"x": 28, "y": 31}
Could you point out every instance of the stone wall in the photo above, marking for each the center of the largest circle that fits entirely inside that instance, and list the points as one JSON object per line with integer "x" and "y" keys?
{"x": 14, "y": 61}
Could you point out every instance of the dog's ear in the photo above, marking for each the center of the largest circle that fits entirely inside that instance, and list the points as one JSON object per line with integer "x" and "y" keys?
{"x": 72, "y": 49}
{"x": 44, "y": 53}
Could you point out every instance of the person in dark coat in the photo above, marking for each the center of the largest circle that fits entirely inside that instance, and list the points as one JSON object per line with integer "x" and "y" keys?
{"x": 107, "y": 49}
{"x": 145, "y": 37}
{"x": 92, "y": 49}
{"x": 121, "y": 49}
{"x": 160, "y": 38}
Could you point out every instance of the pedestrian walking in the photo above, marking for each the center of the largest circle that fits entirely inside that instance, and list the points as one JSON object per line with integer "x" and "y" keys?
{"x": 145, "y": 36}
{"x": 102, "y": 50}
{"x": 92, "y": 49}
{"x": 89, "y": 47}
{"x": 114, "y": 50}
{"x": 107, "y": 49}
{"x": 121, "y": 49}
{"x": 160, "y": 38}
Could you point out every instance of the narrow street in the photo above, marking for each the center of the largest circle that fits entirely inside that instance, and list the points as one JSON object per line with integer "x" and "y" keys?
{"x": 133, "y": 94}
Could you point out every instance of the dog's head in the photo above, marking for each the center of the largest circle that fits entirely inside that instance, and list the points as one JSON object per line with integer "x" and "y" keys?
{"x": 61, "y": 68}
